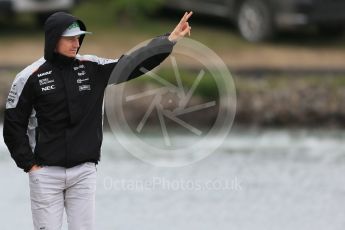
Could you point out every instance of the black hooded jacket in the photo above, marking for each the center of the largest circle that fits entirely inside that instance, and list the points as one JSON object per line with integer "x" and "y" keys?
{"x": 54, "y": 109}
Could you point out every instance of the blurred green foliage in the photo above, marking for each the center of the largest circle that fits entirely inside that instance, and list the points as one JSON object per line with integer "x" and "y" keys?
{"x": 207, "y": 87}
{"x": 125, "y": 11}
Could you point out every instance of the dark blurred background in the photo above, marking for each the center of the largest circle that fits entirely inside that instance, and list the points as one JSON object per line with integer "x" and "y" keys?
{"x": 286, "y": 57}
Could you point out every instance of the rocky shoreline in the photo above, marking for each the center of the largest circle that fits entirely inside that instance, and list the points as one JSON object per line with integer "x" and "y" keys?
{"x": 302, "y": 101}
{"x": 271, "y": 101}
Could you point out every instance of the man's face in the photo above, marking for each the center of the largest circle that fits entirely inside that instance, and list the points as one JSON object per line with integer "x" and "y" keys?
{"x": 68, "y": 46}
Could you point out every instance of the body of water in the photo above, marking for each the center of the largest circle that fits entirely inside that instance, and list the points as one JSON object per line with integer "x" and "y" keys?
{"x": 257, "y": 180}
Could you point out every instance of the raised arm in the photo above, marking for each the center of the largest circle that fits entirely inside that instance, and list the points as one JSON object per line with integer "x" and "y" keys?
{"x": 148, "y": 57}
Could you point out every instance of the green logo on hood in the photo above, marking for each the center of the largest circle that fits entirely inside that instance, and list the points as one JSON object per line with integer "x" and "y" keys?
{"x": 74, "y": 25}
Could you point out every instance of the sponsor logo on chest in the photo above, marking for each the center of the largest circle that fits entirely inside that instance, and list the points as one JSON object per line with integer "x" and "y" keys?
{"x": 79, "y": 80}
{"x": 48, "y": 88}
{"x": 82, "y": 73}
{"x": 79, "y": 67}
{"x": 44, "y": 74}
{"x": 45, "y": 81}
{"x": 84, "y": 87}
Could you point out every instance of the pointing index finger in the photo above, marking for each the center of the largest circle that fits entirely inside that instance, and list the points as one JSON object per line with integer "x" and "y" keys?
{"x": 188, "y": 16}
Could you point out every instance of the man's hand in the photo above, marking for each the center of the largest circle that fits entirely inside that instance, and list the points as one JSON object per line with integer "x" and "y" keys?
{"x": 182, "y": 28}
{"x": 34, "y": 168}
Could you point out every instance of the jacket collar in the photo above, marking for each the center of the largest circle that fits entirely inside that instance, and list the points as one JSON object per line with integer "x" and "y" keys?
{"x": 62, "y": 60}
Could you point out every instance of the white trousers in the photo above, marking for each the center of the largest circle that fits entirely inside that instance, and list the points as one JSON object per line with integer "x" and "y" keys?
{"x": 54, "y": 188}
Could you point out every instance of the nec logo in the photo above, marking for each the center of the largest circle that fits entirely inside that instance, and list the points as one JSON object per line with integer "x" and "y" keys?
{"x": 44, "y": 74}
{"x": 47, "y": 88}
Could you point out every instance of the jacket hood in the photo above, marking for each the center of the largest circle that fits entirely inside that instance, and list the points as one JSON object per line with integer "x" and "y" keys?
{"x": 55, "y": 25}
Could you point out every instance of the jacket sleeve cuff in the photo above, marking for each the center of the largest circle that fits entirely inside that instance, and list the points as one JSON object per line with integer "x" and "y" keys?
{"x": 166, "y": 35}
{"x": 28, "y": 166}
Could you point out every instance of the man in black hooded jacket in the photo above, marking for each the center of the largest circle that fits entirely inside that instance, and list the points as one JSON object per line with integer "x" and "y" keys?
{"x": 53, "y": 118}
